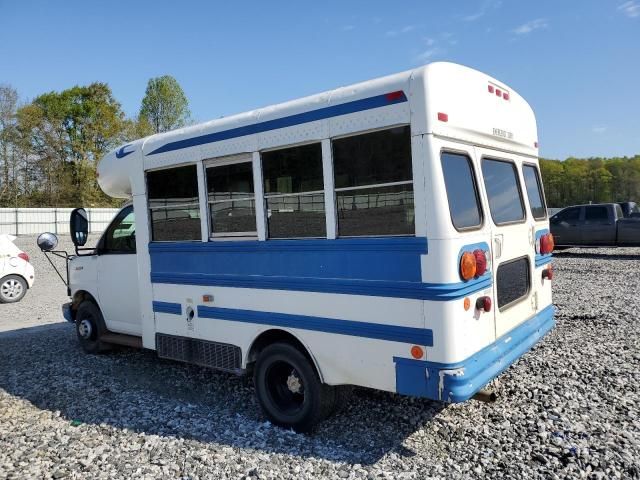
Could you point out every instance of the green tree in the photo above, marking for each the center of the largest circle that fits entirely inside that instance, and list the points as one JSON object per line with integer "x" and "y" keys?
{"x": 65, "y": 134}
{"x": 164, "y": 106}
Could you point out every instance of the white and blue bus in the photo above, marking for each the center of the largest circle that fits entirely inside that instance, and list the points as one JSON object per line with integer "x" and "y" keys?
{"x": 390, "y": 234}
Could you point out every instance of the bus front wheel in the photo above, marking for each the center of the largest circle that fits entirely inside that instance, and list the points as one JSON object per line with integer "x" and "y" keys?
{"x": 289, "y": 389}
{"x": 89, "y": 324}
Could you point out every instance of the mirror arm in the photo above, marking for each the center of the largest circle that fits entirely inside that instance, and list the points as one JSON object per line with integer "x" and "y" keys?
{"x": 61, "y": 254}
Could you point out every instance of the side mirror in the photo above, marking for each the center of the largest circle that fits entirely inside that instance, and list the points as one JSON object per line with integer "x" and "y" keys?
{"x": 79, "y": 227}
{"x": 47, "y": 241}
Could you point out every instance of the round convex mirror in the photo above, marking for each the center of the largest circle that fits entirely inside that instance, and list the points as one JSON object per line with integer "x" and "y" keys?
{"x": 47, "y": 241}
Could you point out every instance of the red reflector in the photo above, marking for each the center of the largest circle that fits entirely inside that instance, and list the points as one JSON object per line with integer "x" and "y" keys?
{"x": 481, "y": 262}
{"x": 393, "y": 96}
{"x": 505, "y": 95}
{"x": 498, "y": 92}
{"x": 443, "y": 117}
{"x": 484, "y": 303}
{"x": 491, "y": 89}
{"x": 24, "y": 256}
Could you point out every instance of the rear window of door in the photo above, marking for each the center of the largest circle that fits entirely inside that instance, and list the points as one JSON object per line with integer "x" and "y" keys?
{"x": 503, "y": 190}
{"x": 462, "y": 193}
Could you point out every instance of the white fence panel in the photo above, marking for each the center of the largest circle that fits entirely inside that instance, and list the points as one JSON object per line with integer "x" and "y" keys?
{"x": 32, "y": 221}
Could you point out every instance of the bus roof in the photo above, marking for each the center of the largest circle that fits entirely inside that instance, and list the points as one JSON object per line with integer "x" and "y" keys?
{"x": 443, "y": 99}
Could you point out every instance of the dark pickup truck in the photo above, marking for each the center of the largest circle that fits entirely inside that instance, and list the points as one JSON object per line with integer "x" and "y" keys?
{"x": 594, "y": 225}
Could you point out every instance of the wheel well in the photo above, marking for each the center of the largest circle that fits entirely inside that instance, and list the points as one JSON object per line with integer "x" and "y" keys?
{"x": 16, "y": 275}
{"x": 79, "y": 297}
{"x": 269, "y": 337}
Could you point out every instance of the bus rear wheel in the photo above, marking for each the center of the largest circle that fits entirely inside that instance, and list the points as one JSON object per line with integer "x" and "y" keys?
{"x": 289, "y": 390}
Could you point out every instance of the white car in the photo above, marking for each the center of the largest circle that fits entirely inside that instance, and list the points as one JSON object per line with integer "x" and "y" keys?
{"x": 16, "y": 273}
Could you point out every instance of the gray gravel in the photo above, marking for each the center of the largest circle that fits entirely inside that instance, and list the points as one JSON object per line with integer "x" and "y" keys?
{"x": 568, "y": 409}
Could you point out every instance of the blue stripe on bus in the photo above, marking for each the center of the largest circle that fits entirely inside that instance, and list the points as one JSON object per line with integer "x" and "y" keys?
{"x": 541, "y": 260}
{"x": 167, "y": 307}
{"x": 375, "y": 288}
{"x": 384, "y": 267}
{"x": 289, "y": 121}
{"x": 394, "y": 333}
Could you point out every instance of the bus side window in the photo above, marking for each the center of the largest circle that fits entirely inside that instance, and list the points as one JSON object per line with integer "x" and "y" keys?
{"x": 294, "y": 192}
{"x": 174, "y": 207}
{"x": 374, "y": 183}
{"x": 534, "y": 191}
{"x": 460, "y": 183}
{"x": 232, "y": 203}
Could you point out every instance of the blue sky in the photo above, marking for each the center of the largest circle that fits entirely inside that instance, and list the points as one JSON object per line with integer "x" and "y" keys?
{"x": 576, "y": 62}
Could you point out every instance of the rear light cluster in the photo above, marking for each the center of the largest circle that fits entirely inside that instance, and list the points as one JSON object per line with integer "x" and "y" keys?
{"x": 473, "y": 264}
{"x": 546, "y": 244}
{"x": 23, "y": 256}
{"x": 498, "y": 92}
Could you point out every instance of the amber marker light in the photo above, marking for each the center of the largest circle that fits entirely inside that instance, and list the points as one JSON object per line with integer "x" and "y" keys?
{"x": 417, "y": 352}
{"x": 467, "y": 303}
{"x": 467, "y": 266}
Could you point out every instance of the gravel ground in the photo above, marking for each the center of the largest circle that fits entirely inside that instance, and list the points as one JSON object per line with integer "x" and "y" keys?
{"x": 567, "y": 409}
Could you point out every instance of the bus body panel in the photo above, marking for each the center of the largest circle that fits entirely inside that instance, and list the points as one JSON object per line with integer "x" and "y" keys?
{"x": 357, "y": 305}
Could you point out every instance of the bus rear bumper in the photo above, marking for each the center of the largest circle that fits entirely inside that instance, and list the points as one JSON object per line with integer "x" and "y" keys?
{"x": 457, "y": 382}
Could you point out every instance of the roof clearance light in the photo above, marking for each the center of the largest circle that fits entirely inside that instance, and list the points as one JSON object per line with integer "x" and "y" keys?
{"x": 505, "y": 95}
{"x": 535, "y": 144}
{"x": 443, "y": 117}
{"x": 498, "y": 92}
{"x": 394, "y": 96}
{"x": 491, "y": 89}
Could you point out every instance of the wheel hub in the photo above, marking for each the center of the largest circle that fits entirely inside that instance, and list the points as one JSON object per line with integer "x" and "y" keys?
{"x": 11, "y": 289}
{"x": 85, "y": 329}
{"x": 294, "y": 384}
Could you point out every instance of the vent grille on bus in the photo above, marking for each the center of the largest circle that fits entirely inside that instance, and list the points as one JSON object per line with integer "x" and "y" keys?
{"x": 513, "y": 281}
{"x": 199, "y": 352}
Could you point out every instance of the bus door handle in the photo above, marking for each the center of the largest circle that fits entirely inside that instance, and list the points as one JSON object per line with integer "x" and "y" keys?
{"x": 498, "y": 241}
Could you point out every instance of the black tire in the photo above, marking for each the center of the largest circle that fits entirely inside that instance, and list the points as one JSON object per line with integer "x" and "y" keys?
{"x": 12, "y": 288}
{"x": 280, "y": 367}
{"x": 342, "y": 396}
{"x": 89, "y": 327}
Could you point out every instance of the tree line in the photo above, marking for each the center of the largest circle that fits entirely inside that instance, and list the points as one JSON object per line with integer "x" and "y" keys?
{"x": 50, "y": 146}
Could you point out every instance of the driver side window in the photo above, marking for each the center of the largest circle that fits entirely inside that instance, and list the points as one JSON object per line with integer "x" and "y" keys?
{"x": 120, "y": 236}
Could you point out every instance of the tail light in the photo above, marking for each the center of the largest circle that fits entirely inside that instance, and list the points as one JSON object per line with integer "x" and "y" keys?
{"x": 473, "y": 264}
{"x": 481, "y": 262}
{"x": 467, "y": 266}
{"x": 546, "y": 244}
{"x": 23, "y": 256}
{"x": 484, "y": 304}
